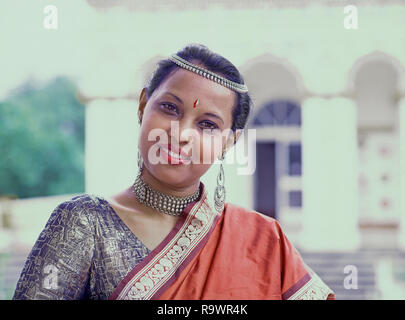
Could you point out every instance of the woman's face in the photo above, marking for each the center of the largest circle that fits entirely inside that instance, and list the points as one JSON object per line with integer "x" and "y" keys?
{"x": 180, "y": 137}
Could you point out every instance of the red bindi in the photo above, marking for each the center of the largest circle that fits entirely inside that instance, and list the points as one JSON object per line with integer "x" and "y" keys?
{"x": 196, "y": 103}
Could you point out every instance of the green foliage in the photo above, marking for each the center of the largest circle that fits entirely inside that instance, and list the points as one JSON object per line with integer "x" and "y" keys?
{"x": 42, "y": 141}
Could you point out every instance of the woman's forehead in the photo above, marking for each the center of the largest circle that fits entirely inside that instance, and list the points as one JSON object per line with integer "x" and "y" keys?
{"x": 189, "y": 86}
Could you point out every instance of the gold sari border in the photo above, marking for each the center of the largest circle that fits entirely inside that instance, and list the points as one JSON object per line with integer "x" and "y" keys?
{"x": 311, "y": 287}
{"x": 156, "y": 272}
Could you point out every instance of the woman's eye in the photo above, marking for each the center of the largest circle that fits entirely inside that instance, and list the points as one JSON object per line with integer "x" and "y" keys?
{"x": 208, "y": 125}
{"x": 169, "y": 107}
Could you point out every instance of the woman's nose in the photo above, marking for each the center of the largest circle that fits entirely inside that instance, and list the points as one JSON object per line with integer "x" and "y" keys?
{"x": 183, "y": 131}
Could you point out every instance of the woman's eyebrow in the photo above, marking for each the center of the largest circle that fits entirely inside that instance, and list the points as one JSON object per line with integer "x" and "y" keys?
{"x": 174, "y": 96}
{"x": 214, "y": 115}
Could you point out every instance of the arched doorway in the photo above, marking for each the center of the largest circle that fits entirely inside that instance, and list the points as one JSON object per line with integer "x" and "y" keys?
{"x": 277, "y": 179}
{"x": 277, "y": 90}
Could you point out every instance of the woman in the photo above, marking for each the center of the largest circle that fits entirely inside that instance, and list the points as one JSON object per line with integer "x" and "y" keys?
{"x": 162, "y": 238}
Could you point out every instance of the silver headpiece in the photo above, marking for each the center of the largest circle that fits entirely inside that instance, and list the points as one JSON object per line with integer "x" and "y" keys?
{"x": 208, "y": 74}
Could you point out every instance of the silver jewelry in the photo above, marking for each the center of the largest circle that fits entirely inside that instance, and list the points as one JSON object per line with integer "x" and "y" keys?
{"x": 159, "y": 201}
{"x": 219, "y": 195}
{"x": 208, "y": 74}
{"x": 140, "y": 161}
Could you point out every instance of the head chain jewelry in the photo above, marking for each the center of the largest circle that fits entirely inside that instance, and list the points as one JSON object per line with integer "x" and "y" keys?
{"x": 208, "y": 74}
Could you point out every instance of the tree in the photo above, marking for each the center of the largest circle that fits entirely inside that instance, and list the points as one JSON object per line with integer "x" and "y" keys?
{"x": 42, "y": 140}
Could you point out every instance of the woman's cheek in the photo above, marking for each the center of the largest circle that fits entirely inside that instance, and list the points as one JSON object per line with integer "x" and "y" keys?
{"x": 211, "y": 147}
{"x": 148, "y": 142}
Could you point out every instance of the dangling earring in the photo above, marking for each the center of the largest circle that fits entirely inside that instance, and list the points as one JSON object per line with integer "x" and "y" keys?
{"x": 219, "y": 195}
{"x": 140, "y": 162}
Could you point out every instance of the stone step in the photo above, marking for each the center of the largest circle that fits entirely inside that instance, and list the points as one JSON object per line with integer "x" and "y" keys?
{"x": 340, "y": 281}
{"x": 330, "y": 268}
{"x": 358, "y": 259}
{"x": 337, "y": 268}
{"x": 359, "y": 296}
{"x": 340, "y": 286}
{"x": 361, "y": 253}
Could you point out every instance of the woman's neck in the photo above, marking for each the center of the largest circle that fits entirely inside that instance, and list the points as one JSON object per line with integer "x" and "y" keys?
{"x": 168, "y": 189}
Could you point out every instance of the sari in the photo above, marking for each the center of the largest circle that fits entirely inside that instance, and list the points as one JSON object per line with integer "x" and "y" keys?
{"x": 235, "y": 254}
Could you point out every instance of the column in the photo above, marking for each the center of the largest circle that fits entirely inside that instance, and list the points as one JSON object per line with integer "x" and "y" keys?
{"x": 112, "y": 132}
{"x": 330, "y": 175}
{"x": 401, "y": 235}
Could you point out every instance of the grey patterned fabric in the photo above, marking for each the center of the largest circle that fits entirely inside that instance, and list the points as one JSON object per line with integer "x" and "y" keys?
{"x": 84, "y": 251}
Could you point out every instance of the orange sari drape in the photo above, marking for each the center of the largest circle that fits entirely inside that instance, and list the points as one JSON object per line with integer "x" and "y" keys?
{"x": 237, "y": 254}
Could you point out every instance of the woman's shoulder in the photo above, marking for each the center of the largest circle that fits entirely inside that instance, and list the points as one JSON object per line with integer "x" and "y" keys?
{"x": 247, "y": 217}
{"x": 80, "y": 205}
{"x": 71, "y": 220}
{"x": 77, "y": 201}
{"x": 87, "y": 199}
{"x": 248, "y": 213}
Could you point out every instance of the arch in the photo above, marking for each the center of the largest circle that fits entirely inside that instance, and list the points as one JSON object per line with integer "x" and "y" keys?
{"x": 373, "y": 57}
{"x": 374, "y": 82}
{"x": 277, "y": 90}
{"x": 271, "y": 78}
{"x": 278, "y": 113}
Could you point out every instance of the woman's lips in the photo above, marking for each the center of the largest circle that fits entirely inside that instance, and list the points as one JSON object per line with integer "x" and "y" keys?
{"x": 168, "y": 152}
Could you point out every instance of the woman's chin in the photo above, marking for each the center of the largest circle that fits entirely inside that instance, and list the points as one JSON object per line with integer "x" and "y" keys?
{"x": 174, "y": 175}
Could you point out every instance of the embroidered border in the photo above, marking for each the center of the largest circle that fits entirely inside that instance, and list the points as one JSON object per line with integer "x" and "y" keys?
{"x": 156, "y": 273}
{"x": 314, "y": 289}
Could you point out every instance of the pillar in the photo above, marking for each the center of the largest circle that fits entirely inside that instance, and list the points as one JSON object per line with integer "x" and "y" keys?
{"x": 401, "y": 235}
{"x": 330, "y": 175}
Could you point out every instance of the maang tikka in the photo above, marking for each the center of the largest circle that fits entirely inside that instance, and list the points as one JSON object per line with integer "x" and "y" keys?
{"x": 219, "y": 195}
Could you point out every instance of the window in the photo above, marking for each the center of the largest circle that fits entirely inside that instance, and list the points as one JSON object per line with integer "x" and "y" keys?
{"x": 278, "y": 113}
{"x": 294, "y": 163}
{"x": 295, "y": 199}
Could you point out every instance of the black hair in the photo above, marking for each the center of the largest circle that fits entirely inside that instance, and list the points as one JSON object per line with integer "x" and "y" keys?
{"x": 200, "y": 54}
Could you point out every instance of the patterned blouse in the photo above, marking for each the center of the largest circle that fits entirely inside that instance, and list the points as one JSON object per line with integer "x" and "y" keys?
{"x": 84, "y": 252}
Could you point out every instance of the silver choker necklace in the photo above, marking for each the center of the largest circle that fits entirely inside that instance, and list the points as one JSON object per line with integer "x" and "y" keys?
{"x": 159, "y": 201}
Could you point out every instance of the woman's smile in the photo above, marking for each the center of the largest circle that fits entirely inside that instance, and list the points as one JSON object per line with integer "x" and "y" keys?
{"x": 174, "y": 155}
